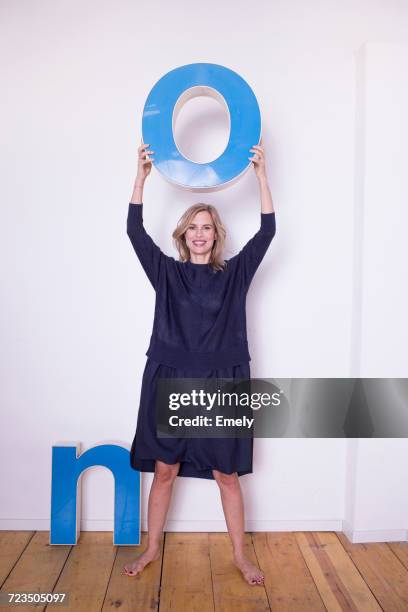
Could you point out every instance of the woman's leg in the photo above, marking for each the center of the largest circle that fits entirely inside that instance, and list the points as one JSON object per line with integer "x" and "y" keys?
{"x": 159, "y": 500}
{"x": 233, "y": 506}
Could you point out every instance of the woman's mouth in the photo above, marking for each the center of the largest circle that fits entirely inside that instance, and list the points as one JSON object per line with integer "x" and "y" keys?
{"x": 199, "y": 242}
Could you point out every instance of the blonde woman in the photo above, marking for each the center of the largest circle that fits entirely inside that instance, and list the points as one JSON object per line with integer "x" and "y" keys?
{"x": 199, "y": 331}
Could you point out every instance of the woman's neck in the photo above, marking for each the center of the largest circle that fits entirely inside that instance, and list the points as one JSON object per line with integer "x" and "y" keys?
{"x": 200, "y": 259}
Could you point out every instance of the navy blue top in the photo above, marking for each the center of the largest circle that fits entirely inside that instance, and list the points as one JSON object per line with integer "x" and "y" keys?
{"x": 199, "y": 318}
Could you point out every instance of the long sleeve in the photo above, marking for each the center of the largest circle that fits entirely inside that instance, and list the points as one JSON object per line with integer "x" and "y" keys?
{"x": 149, "y": 254}
{"x": 254, "y": 251}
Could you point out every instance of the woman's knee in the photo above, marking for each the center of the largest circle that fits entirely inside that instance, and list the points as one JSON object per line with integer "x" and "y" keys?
{"x": 226, "y": 480}
{"x": 166, "y": 473}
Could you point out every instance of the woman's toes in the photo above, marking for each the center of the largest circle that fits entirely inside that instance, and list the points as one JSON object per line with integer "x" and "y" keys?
{"x": 253, "y": 576}
{"x": 131, "y": 569}
{"x": 135, "y": 568}
{"x": 250, "y": 572}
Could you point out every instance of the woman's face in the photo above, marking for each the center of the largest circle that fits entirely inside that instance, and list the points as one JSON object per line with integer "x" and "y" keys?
{"x": 200, "y": 234}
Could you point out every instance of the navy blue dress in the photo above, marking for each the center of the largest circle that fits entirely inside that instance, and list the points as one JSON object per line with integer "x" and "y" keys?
{"x": 199, "y": 331}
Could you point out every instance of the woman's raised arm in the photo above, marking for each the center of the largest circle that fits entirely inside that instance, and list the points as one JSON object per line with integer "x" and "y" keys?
{"x": 258, "y": 160}
{"x": 149, "y": 254}
{"x": 253, "y": 252}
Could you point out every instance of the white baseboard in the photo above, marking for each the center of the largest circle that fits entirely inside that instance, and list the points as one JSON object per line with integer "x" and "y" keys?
{"x": 364, "y": 536}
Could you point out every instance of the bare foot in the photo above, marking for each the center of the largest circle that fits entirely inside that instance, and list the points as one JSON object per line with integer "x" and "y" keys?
{"x": 136, "y": 567}
{"x": 250, "y": 572}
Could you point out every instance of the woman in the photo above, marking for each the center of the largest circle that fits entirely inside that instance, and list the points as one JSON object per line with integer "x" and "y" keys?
{"x": 199, "y": 331}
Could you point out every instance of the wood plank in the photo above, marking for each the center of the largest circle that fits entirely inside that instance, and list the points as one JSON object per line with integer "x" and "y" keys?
{"x": 400, "y": 549}
{"x": 303, "y": 571}
{"x": 138, "y": 592}
{"x": 12, "y": 544}
{"x": 231, "y": 591}
{"x": 87, "y": 571}
{"x": 186, "y": 575}
{"x": 338, "y": 580}
{"x": 288, "y": 581}
{"x": 384, "y": 571}
{"x": 38, "y": 568}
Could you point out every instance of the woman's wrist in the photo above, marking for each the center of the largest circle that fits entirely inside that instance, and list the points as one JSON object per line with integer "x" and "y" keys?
{"x": 265, "y": 193}
{"x": 137, "y": 195}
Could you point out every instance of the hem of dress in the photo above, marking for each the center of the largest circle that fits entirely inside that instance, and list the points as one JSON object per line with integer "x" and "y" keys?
{"x": 187, "y": 469}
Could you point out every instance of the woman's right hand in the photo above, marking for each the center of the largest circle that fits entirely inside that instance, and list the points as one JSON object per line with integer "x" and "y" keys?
{"x": 144, "y": 163}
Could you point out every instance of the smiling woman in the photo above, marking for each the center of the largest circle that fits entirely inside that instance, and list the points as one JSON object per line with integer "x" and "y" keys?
{"x": 200, "y": 236}
{"x": 199, "y": 331}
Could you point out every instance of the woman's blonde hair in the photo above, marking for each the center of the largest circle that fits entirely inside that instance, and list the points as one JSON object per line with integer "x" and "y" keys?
{"x": 216, "y": 260}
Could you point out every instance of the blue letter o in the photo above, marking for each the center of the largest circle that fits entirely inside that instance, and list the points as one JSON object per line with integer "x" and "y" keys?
{"x": 166, "y": 99}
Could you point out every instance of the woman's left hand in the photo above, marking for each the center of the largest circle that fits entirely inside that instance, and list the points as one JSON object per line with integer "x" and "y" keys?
{"x": 258, "y": 160}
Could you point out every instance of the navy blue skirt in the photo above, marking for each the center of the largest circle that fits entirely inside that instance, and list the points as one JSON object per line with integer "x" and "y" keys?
{"x": 197, "y": 456}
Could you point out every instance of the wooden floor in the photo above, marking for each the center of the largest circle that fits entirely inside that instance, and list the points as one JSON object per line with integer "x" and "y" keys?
{"x": 305, "y": 571}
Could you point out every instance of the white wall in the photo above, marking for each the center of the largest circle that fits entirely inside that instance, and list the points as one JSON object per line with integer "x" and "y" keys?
{"x": 77, "y": 307}
{"x": 380, "y": 500}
